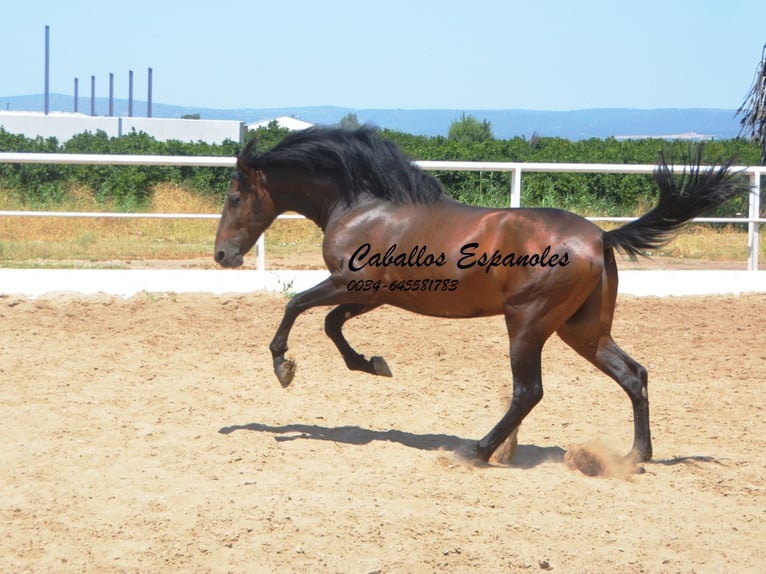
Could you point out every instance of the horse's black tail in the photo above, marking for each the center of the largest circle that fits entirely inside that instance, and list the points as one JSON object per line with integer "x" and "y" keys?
{"x": 682, "y": 199}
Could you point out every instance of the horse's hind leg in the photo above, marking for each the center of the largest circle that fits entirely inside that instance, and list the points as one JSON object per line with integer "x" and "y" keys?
{"x": 633, "y": 378}
{"x": 333, "y": 326}
{"x": 588, "y": 333}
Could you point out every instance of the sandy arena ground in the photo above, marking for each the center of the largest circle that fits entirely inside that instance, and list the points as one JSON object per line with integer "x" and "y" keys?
{"x": 150, "y": 435}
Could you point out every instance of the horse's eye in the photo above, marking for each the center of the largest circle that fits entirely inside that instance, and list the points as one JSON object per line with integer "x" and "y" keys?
{"x": 234, "y": 200}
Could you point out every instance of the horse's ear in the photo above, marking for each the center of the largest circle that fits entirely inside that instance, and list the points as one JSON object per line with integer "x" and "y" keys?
{"x": 250, "y": 148}
{"x": 241, "y": 164}
{"x": 246, "y": 154}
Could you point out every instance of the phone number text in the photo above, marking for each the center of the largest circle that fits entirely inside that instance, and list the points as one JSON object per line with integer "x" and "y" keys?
{"x": 403, "y": 285}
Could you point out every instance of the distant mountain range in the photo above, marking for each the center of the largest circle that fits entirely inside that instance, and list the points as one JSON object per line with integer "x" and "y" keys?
{"x": 506, "y": 124}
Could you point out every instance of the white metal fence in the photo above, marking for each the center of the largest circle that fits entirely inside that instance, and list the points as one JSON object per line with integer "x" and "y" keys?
{"x": 753, "y": 219}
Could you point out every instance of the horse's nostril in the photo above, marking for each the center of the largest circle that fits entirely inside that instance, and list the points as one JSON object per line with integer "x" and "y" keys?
{"x": 220, "y": 255}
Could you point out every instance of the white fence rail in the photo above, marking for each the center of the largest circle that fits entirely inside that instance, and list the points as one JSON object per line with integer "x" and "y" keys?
{"x": 753, "y": 219}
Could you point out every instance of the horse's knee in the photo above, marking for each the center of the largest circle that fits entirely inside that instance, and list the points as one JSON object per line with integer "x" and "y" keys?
{"x": 528, "y": 395}
{"x": 334, "y": 320}
{"x": 330, "y": 326}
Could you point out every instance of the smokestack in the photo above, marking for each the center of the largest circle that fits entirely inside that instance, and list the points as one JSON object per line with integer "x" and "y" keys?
{"x": 149, "y": 97}
{"x": 130, "y": 94}
{"x": 111, "y": 94}
{"x": 76, "y": 94}
{"x": 47, "y": 69}
{"x": 93, "y": 95}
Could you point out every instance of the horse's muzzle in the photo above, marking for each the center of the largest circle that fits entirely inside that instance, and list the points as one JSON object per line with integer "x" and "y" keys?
{"x": 228, "y": 259}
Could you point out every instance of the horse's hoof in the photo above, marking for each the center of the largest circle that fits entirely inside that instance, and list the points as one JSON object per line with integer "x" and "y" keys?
{"x": 285, "y": 372}
{"x": 506, "y": 451}
{"x": 640, "y": 455}
{"x": 381, "y": 368}
{"x": 635, "y": 458}
{"x": 479, "y": 454}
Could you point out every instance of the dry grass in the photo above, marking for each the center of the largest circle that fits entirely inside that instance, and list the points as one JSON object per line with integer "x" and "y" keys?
{"x": 700, "y": 241}
{"x": 32, "y": 240}
{"x": 109, "y": 242}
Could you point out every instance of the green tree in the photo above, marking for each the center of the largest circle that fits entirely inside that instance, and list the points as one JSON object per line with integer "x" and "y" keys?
{"x": 267, "y": 137}
{"x": 470, "y": 130}
{"x": 42, "y": 185}
{"x": 349, "y": 122}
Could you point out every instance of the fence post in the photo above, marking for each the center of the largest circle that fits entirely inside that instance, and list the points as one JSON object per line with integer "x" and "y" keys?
{"x": 516, "y": 187}
{"x": 754, "y": 210}
{"x": 260, "y": 253}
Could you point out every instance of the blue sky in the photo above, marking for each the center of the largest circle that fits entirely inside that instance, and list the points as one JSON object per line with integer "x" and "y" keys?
{"x": 413, "y": 54}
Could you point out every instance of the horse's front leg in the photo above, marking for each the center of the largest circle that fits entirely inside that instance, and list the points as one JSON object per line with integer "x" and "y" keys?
{"x": 325, "y": 293}
{"x": 333, "y": 326}
{"x": 527, "y": 392}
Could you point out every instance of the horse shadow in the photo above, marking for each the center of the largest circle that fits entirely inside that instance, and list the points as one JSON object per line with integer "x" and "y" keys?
{"x": 689, "y": 460}
{"x": 527, "y": 456}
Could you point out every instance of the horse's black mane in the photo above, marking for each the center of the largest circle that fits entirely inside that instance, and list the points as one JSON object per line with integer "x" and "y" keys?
{"x": 359, "y": 161}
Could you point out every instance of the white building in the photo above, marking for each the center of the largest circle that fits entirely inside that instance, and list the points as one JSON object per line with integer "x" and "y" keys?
{"x": 63, "y": 126}
{"x": 291, "y": 123}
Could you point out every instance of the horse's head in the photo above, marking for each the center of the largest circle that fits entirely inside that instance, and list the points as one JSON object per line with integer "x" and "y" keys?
{"x": 247, "y": 212}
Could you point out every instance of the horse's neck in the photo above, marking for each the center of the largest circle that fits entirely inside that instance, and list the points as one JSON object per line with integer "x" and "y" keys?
{"x": 314, "y": 200}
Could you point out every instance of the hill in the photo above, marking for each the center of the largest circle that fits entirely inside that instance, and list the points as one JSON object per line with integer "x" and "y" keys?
{"x": 572, "y": 125}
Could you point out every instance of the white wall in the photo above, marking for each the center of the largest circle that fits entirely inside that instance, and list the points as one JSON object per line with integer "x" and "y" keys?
{"x": 63, "y": 126}
{"x": 56, "y": 125}
{"x": 163, "y": 129}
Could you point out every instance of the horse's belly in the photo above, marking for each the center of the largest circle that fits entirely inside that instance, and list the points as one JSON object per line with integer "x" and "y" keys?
{"x": 476, "y": 292}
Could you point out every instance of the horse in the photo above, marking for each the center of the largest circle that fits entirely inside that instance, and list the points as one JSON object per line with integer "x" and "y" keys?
{"x": 393, "y": 236}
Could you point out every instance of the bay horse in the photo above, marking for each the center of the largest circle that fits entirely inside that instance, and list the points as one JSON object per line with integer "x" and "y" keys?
{"x": 393, "y": 236}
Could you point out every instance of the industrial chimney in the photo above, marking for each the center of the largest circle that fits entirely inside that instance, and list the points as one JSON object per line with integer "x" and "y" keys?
{"x": 130, "y": 93}
{"x": 149, "y": 97}
{"x": 47, "y": 70}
